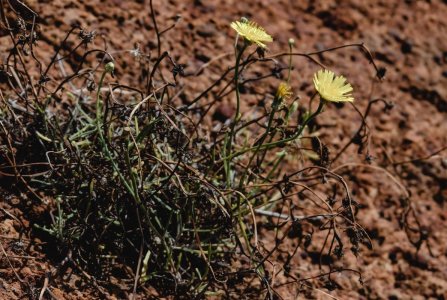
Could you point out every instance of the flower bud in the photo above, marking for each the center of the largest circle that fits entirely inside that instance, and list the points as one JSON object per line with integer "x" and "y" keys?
{"x": 110, "y": 67}
{"x": 291, "y": 42}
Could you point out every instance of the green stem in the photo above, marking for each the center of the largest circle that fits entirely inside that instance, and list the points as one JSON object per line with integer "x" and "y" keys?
{"x": 260, "y": 142}
{"x": 269, "y": 124}
{"x": 274, "y": 144}
{"x": 229, "y": 144}
{"x": 275, "y": 166}
{"x": 130, "y": 187}
{"x": 103, "y": 140}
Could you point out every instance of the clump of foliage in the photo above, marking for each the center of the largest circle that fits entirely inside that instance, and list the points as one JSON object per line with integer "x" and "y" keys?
{"x": 132, "y": 182}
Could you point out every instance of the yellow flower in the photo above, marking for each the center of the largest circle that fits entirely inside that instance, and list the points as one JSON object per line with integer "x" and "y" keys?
{"x": 252, "y": 32}
{"x": 331, "y": 87}
{"x": 284, "y": 91}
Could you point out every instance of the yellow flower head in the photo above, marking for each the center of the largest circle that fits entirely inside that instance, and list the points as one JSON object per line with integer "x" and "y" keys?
{"x": 284, "y": 91}
{"x": 331, "y": 87}
{"x": 252, "y": 32}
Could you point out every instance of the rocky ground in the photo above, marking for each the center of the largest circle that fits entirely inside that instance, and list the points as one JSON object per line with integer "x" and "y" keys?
{"x": 407, "y": 143}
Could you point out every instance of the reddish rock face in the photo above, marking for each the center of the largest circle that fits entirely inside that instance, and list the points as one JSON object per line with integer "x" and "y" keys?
{"x": 408, "y": 38}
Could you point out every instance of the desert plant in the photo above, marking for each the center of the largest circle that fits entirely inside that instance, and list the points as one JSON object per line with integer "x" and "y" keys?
{"x": 132, "y": 182}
